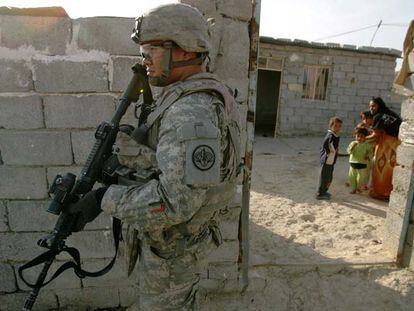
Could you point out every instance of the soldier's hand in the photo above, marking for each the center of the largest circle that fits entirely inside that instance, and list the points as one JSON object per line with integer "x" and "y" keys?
{"x": 87, "y": 208}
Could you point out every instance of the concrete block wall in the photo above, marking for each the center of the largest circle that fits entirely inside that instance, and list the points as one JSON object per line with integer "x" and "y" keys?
{"x": 400, "y": 209}
{"x": 60, "y": 78}
{"x": 355, "y": 77}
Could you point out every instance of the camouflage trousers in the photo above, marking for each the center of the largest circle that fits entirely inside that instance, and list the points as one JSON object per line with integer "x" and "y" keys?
{"x": 171, "y": 283}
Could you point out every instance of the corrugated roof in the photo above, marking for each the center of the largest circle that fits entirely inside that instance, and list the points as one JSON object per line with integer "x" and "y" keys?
{"x": 332, "y": 45}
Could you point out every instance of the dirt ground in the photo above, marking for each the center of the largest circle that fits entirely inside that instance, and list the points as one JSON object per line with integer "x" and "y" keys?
{"x": 289, "y": 225}
{"x": 314, "y": 255}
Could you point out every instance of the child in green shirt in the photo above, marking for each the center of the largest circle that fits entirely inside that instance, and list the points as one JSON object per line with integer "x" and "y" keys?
{"x": 360, "y": 154}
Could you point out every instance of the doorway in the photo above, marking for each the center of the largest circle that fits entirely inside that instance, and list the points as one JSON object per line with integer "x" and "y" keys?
{"x": 268, "y": 87}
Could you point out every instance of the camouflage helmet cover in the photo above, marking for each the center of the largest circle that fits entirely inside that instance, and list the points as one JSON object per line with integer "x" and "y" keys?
{"x": 180, "y": 23}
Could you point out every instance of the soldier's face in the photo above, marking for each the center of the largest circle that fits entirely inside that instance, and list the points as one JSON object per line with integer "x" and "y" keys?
{"x": 153, "y": 55}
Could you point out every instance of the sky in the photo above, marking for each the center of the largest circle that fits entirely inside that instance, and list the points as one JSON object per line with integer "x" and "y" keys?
{"x": 312, "y": 20}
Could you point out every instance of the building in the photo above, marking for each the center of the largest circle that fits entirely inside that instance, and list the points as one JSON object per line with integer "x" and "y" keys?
{"x": 302, "y": 84}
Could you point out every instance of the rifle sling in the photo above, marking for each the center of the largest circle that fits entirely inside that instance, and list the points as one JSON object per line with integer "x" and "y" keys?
{"x": 76, "y": 263}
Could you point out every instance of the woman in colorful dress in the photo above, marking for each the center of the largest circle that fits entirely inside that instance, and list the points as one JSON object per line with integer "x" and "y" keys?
{"x": 386, "y": 127}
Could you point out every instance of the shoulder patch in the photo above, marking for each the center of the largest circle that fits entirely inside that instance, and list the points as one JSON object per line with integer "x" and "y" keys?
{"x": 203, "y": 157}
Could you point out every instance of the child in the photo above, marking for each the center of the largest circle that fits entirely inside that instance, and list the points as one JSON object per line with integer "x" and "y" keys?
{"x": 367, "y": 120}
{"x": 360, "y": 154}
{"x": 329, "y": 153}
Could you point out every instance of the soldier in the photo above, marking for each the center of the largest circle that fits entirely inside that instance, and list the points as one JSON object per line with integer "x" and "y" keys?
{"x": 191, "y": 155}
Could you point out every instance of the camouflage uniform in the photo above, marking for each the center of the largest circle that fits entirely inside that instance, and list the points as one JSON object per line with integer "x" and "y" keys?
{"x": 176, "y": 214}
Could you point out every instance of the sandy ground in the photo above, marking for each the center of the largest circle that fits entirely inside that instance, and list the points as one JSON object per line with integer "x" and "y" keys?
{"x": 310, "y": 255}
{"x": 288, "y": 225}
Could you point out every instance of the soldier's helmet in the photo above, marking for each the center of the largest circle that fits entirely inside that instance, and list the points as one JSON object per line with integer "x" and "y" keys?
{"x": 180, "y": 23}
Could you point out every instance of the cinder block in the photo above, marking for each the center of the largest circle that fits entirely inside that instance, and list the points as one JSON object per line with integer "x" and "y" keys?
{"x": 206, "y": 7}
{"x": 373, "y": 70}
{"x": 407, "y": 132}
{"x": 223, "y": 271}
{"x": 15, "y": 301}
{"x": 120, "y": 72}
{"x": 30, "y": 216}
{"x": 69, "y": 76}
{"x": 88, "y": 298}
{"x": 20, "y": 246}
{"x": 408, "y": 258}
{"x": 233, "y": 58}
{"x": 241, "y": 10}
{"x": 109, "y": 34}
{"x": 15, "y": 76}
{"x": 22, "y": 183}
{"x": 73, "y": 111}
{"x": 393, "y": 228}
{"x": 337, "y": 74}
{"x": 242, "y": 87}
{"x": 21, "y": 112}
{"x": 407, "y": 109}
{"x": 93, "y": 244}
{"x": 3, "y": 217}
{"x": 398, "y": 201}
{"x": 36, "y": 148}
{"x": 7, "y": 278}
{"x": 405, "y": 155}
{"x": 347, "y": 67}
{"x": 401, "y": 178}
{"x": 228, "y": 251}
{"x": 82, "y": 143}
{"x": 49, "y": 35}
{"x": 128, "y": 295}
{"x": 229, "y": 230}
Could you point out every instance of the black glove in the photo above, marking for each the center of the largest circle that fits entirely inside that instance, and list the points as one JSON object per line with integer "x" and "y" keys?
{"x": 87, "y": 208}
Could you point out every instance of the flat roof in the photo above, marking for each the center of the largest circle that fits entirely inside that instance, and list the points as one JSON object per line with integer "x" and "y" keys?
{"x": 331, "y": 45}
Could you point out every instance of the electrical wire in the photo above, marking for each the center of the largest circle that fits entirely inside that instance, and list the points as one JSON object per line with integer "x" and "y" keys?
{"x": 359, "y": 29}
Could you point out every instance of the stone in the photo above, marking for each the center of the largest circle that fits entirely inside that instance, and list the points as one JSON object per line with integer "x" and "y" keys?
{"x": 22, "y": 183}
{"x": 82, "y": 143}
{"x": 15, "y": 76}
{"x": 240, "y": 10}
{"x": 228, "y": 251}
{"x": 92, "y": 244}
{"x": 20, "y": 246}
{"x": 46, "y": 34}
{"x": 207, "y": 7}
{"x": 62, "y": 111}
{"x": 88, "y": 298}
{"x": 21, "y": 112}
{"x": 36, "y": 217}
{"x": 233, "y": 54}
{"x": 407, "y": 109}
{"x": 3, "y": 217}
{"x": 38, "y": 148}
{"x": 15, "y": 301}
{"x": 7, "y": 278}
{"x": 69, "y": 76}
{"x": 108, "y": 34}
{"x": 120, "y": 72}
{"x": 223, "y": 271}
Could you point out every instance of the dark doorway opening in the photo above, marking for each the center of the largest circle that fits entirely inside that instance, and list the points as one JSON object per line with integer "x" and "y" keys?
{"x": 268, "y": 85}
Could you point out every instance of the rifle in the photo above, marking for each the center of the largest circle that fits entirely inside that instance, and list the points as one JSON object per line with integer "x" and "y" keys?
{"x": 66, "y": 190}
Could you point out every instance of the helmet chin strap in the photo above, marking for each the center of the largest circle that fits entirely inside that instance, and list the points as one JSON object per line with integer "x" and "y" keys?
{"x": 168, "y": 64}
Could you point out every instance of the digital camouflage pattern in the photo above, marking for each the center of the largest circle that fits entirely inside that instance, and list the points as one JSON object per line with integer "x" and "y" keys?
{"x": 176, "y": 221}
{"x": 132, "y": 154}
